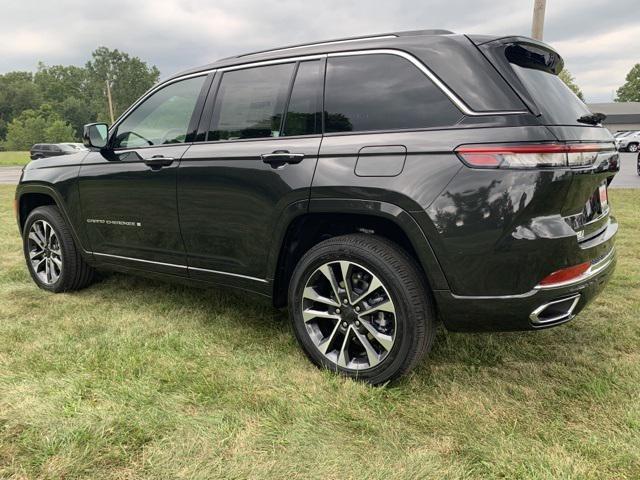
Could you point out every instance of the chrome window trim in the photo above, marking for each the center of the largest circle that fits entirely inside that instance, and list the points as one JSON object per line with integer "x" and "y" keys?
{"x": 428, "y": 73}
{"x": 276, "y": 61}
{"x": 463, "y": 107}
{"x": 183, "y": 267}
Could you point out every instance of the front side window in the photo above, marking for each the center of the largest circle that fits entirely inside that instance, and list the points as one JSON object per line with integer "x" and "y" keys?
{"x": 163, "y": 118}
{"x": 250, "y": 103}
{"x": 382, "y": 92}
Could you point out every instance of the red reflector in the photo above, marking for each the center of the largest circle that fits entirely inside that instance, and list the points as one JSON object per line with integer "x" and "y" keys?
{"x": 566, "y": 274}
{"x": 482, "y": 159}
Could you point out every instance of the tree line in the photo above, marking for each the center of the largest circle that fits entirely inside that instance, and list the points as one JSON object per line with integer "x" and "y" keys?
{"x": 53, "y": 104}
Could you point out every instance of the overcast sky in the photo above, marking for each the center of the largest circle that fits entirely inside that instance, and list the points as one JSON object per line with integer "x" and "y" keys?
{"x": 599, "y": 39}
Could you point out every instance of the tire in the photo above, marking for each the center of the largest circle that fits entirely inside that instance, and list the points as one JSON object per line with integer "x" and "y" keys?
{"x": 632, "y": 147}
{"x": 66, "y": 269}
{"x": 402, "y": 306}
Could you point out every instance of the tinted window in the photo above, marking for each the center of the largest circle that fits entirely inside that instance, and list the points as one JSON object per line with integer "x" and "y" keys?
{"x": 250, "y": 103}
{"x": 163, "y": 118}
{"x": 305, "y": 105}
{"x": 557, "y": 103}
{"x": 382, "y": 92}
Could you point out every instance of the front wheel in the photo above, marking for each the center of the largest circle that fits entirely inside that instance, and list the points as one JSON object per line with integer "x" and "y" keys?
{"x": 361, "y": 307}
{"x": 633, "y": 147}
{"x": 53, "y": 260}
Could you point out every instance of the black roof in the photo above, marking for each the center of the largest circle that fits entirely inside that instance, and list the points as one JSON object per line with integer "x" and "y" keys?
{"x": 381, "y": 40}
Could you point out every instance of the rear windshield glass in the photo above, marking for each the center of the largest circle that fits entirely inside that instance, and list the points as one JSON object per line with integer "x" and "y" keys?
{"x": 557, "y": 103}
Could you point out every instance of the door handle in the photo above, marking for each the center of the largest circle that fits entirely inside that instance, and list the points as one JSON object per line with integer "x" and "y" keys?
{"x": 280, "y": 157}
{"x": 158, "y": 161}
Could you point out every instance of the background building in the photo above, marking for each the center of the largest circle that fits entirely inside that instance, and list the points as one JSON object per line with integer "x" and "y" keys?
{"x": 620, "y": 115}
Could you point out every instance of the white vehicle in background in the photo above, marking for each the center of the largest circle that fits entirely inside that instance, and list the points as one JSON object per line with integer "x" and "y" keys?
{"x": 76, "y": 146}
{"x": 628, "y": 141}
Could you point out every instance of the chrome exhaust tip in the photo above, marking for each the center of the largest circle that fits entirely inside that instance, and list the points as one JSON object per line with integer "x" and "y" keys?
{"x": 557, "y": 311}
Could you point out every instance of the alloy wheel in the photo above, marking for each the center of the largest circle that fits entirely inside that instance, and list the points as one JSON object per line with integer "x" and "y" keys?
{"x": 349, "y": 315}
{"x": 45, "y": 253}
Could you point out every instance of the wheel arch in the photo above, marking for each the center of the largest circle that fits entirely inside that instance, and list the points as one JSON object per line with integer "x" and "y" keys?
{"x": 31, "y": 196}
{"x": 326, "y": 218}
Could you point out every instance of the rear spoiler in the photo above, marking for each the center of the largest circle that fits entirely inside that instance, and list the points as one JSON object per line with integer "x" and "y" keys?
{"x": 523, "y": 51}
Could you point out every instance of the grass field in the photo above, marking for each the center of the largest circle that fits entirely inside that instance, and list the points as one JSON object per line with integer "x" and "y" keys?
{"x": 132, "y": 378}
{"x": 14, "y": 158}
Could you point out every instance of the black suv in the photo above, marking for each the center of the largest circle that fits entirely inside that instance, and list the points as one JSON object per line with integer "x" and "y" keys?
{"x": 43, "y": 150}
{"x": 373, "y": 185}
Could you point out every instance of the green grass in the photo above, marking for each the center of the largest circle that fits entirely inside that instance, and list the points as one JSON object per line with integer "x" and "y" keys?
{"x": 14, "y": 158}
{"x": 133, "y": 378}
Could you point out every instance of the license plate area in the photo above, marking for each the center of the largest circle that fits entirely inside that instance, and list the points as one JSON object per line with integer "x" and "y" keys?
{"x": 594, "y": 214}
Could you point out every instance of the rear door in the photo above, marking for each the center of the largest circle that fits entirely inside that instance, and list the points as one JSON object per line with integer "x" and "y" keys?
{"x": 262, "y": 131}
{"x": 128, "y": 191}
{"x": 383, "y": 121}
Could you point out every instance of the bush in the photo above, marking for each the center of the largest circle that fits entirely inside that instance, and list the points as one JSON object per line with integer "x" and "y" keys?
{"x": 33, "y": 126}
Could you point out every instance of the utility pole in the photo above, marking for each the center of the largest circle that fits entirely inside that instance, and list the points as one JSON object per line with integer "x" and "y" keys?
{"x": 110, "y": 102}
{"x": 537, "y": 26}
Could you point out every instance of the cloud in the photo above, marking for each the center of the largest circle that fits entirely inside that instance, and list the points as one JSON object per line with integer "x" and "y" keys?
{"x": 599, "y": 46}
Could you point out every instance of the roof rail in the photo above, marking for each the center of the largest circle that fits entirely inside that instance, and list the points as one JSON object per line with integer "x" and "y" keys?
{"x": 349, "y": 40}
{"x": 319, "y": 44}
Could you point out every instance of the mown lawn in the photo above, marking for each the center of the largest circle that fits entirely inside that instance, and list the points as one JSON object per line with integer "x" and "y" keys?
{"x": 133, "y": 378}
{"x": 14, "y": 158}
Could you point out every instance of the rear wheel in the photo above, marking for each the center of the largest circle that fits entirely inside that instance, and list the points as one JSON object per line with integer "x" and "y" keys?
{"x": 360, "y": 306}
{"x": 53, "y": 260}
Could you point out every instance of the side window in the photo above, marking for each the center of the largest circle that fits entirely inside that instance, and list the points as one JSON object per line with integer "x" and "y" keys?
{"x": 304, "y": 112}
{"x": 250, "y": 103}
{"x": 161, "y": 119}
{"x": 382, "y": 92}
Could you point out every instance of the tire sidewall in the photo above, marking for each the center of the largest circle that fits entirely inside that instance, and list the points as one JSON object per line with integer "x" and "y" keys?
{"x": 405, "y": 323}
{"x": 46, "y": 215}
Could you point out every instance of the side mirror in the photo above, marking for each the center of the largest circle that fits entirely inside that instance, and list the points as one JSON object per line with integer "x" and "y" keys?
{"x": 95, "y": 135}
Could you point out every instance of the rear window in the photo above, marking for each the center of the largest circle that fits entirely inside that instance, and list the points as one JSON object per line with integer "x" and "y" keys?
{"x": 537, "y": 69}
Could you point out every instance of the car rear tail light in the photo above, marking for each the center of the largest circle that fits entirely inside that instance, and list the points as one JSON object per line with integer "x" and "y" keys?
{"x": 565, "y": 275}
{"x": 540, "y": 155}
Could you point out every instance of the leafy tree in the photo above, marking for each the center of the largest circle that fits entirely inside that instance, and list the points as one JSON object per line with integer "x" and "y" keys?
{"x": 568, "y": 79}
{"x": 128, "y": 76}
{"x": 25, "y": 130}
{"x": 75, "y": 95}
{"x": 630, "y": 91}
{"x": 37, "y": 126}
{"x": 59, "y": 131}
{"x": 17, "y": 93}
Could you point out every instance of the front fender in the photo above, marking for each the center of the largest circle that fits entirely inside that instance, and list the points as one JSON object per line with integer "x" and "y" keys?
{"x": 68, "y": 202}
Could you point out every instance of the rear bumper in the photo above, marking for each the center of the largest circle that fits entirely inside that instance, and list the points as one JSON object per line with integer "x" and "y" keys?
{"x": 536, "y": 309}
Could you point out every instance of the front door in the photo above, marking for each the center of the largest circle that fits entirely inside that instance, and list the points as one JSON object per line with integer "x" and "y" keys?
{"x": 128, "y": 191}
{"x": 258, "y": 159}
